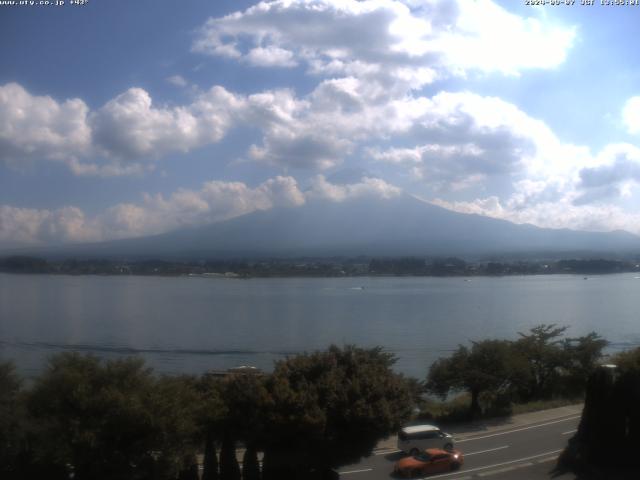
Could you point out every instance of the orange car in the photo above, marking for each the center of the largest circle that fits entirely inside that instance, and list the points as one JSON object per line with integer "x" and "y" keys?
{"x": 432, "y": 460}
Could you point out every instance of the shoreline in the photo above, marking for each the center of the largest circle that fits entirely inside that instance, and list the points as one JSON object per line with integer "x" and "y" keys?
{"x": 234, "y": 276}
{"x": 331, "y": 267}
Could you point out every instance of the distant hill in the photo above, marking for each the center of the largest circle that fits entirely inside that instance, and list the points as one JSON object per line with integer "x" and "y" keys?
{"x": 401, "y": 226}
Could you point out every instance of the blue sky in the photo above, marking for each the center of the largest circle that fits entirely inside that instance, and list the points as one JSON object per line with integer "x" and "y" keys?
{"x": 121, "y": 119}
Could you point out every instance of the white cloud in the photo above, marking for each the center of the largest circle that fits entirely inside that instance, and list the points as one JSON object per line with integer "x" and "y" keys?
{"x": 110, "y": 169}
{"x": 375, "y": 53}
{"x": 559, "y": 214}
{"x": 631, "y": 115}
{"x": 318, "y": 131}
{"x": 387, "y": 38}
{"x": 293, "y": 134}
{"x": 488, "y": 38}
{"x": 270, "y": 57}
{"x": 115, "y": 139}
{"x": 585, "y": 199}
{"x": 615, "y": 173}
{"x": 367, "y": 187}
{"x": 130, "y": 127}
{"x": 215, "y": 201}
{"x": 28, "y": 226}
{"x": 465, "y": 139}
{"x": 124, "y": 136}
{"x": 38, "y": 127}
{"x": 177, "y": 80}
{"x": 444, "y": 166}
{"x": 322, "y": 129}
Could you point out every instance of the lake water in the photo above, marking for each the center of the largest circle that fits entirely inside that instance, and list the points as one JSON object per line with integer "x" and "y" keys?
{"x": 187, "y": 324}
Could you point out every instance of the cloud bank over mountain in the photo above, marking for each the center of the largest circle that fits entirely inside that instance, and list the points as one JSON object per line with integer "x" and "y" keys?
{"x": 215, "y": 201}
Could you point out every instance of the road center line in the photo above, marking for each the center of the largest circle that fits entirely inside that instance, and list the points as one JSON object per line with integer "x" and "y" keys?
{"x": 517, "y": 430}
{"x": 485, "y": 451}
{"x": 492, "y": 466}
{"x": 570, "y": 432}
{"x": 356, "y": 471}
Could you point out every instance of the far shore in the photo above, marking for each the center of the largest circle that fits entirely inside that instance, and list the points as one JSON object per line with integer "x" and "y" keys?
{"x": 320, "y": 267}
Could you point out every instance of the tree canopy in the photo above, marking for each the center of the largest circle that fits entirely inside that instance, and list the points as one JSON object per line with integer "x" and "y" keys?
{"x": 110, "y": 419}
{"x": 539, "y": 364}
{"x": 484, "y": 367}
{"x": 330, "y": 408}
{"x": 115, "y": 420}
{"x": 12, "y": 421}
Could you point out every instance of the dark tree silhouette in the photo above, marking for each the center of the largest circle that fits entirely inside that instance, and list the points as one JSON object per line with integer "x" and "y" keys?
{"x": 210, "y": 463}
{"x": 250, "y": 464}
{"x": 229, "y": 468}
{"x": 110, "y": 420}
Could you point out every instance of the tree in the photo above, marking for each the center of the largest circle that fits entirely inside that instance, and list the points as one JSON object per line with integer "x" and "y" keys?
{"x": 211, "y": 414}
{"x": 210, "y": 463}
{"x": 330, "y": 408}
{"x": 610, "y": 411}
{"x": 229, "y": 468}
{"x": 189, "y": 468}
{"x": 111, "y": 419}
{"x": 582, "y": 356}
{"x": 484, "y": 367}
{"x": 246, "y": 400}
{"x": 246, "y": 397}
{"x": 12, "y": 422}
{"x": 542, "y": 358}
{"x": 250, "y": 464}
{"x": 175, "y": 404}
{"x": 628, "y": 360}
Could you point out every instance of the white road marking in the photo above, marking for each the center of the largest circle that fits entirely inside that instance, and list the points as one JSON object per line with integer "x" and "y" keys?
{"x": 517, "y": 430}
{"x": 570, "y": 432}
{"x": 356, "y": 471}
{"x": 506, "y": 469}
{"x": 494, "y": 465}
{"x": 495, "y": 472}
{"x": 550, "y": 459}
{"x": 485, "y": 451}
{"x": 387, "y": 452}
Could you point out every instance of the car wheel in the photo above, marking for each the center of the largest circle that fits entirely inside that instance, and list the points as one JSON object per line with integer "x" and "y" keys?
{"x": 448, "y": 447}
{"x": 414, "y": 451}
{"x": 455, "y": 466}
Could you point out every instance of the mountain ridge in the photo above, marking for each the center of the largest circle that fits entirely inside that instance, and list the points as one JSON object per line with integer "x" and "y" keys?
{"x": 399, "y": 226}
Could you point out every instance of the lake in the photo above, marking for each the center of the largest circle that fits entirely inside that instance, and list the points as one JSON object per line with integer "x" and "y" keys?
{"x": 192, "y": 324}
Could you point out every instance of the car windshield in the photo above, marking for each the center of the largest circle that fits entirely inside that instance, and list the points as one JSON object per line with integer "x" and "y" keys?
{"x": 425, "y": 457}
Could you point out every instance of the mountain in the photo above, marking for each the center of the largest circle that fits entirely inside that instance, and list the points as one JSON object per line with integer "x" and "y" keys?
{"x": 401, "y": 226}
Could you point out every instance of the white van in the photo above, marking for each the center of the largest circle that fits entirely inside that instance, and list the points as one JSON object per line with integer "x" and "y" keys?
{"x": 417, "y": 438}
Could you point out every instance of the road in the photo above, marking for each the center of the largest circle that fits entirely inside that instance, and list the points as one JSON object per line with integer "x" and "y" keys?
{"x": 494, "y": 453}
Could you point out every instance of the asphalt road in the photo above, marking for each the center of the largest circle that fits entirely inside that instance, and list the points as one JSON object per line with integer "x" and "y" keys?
{"x": 511, "y": 453}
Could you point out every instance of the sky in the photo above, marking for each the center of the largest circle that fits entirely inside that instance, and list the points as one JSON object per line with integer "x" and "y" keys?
{"x": 121, "y": 119}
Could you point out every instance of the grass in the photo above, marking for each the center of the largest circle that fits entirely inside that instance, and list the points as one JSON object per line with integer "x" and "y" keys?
{"x": 538, "y": 405}
{"x": 456, "y": 410}
{"x": 450, "y": 411}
